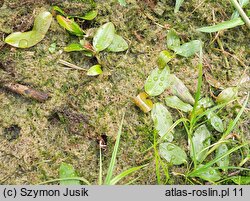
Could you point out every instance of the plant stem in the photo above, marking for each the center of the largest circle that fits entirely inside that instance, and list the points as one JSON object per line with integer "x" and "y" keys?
{"x": 241, "y": 12}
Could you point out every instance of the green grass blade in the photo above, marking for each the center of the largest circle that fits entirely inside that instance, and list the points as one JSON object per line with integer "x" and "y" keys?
{"x": 209, "y": 164}
{"x": 100, "y": 168}
{"x": 222, "y": 26}
{"x": 178, "y": 4}
{"x": 114, "y": 154}
{"x": 125, "y": 173}
{"x": 66, "y": 179}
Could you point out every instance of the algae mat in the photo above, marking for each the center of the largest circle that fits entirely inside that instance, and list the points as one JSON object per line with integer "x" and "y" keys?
{"x": 36, "y": 137}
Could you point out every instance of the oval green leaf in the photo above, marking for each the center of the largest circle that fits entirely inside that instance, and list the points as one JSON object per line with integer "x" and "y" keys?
{"x": 201, "y": 140}
{"x": 164, "y": 58}
{"x": 188, "y": 49}
{"x": 67, "y": 171}
{"x": 224, "y": 162}
{"x": 175, "y": 102}
{"x": 172, "y": 153}
{"x": 215, "y": 121}
{"x": 241, "y": 180}
{"x": 95, "y": 70}
{"x": 104, "y": 36}
{"x": 179, "y": 89}
{"x": 227, "y": 95}
{"x": 118, "y": 44}
{"x": 157, "y": 81}
{"x": 163, "y": 120}
{"x": 28, "y": 39}
{"x": 70, "y": 25}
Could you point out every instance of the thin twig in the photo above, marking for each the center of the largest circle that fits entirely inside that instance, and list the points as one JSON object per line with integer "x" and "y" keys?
{"x": 65, "y": 63}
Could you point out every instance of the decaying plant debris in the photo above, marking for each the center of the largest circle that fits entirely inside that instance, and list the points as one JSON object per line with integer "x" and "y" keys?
{"x": 36, "y": 137}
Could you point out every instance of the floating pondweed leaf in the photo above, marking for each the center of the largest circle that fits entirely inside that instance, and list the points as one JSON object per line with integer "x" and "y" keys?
{"x": 162, "y": 121}
{"x": 157, "y": 81}
{"x": 67, "y": 171}
{"x": 175, "y": 102}
{"x": 70, "y": 25}
{"x": 224, "y": 162}
{"x": 143, "y": 102}
{"x": 241, "y": 180}
{"x": 215, "y": 121}
{"x": 173, "y": 40}
{"x": 164, "y": 58}
{"x": 118, "y": 44}
{"x": 28, "y": 39}
{"x": 90, "y": 15}
{"x": 178, "y": 4}
{"x": 104, "y": 36}
{"x": 221, "y": 26}
{"x": 201, "y": 140}
{"x": 95, "y": 70}
{"x": 172, "y": 153}
{"x": 227, "y": 95}
{"x": 180, "y": 90}
{"x": 210, "y": 174}
{"x": 188, "y": 49}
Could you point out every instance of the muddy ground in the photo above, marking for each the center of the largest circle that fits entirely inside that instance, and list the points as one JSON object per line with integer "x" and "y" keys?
{"x": 36, "y": 137}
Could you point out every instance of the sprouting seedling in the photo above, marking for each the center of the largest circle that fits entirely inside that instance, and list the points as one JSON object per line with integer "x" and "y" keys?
{"x": 28, "y": 39}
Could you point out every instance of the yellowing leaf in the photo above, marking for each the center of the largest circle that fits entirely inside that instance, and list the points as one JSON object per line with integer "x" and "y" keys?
{"x": 143, "y": 102}
{"x": 70, "y": 25}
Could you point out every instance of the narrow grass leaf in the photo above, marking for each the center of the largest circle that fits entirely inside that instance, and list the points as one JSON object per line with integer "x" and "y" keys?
{"x": 58, "y": 9}
{"x": 163, "y": 120}
{"x": 67, "y": 171}
{"x": 172, "y": 153}
{"x": 223, "y": 162}
{"x": 222, "y": 26}
{"x": 118, "y": 44}
{"x": 189, "y": 49}
{"x": 104, "y": 36}
{"x": 157, "y": 81}
{"x": 175, "y": 102}
{"x": 124, "y": 174}
{"x": 114, "y": 154}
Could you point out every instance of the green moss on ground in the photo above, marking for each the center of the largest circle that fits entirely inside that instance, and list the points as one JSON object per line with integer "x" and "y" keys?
{"x": 55, "y": 131}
